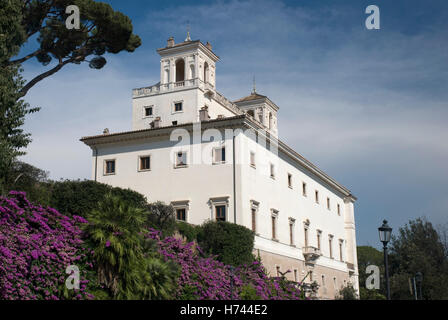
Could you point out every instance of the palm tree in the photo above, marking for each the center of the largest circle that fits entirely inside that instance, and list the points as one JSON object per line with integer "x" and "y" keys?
{"x": 128, "y": 265}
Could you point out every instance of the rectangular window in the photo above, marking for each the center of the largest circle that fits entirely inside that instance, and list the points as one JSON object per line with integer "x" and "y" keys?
{"x": 319, "y": 234}
{"x": 305, "y": 232}
{"x": 277, "y": 268}
{"x": 328, "y": 204}
{"x": 339, "y": 209}
{"x": 316, "y": 194}
{"x": 340, "y": 250}
{"x": 145, "y": 163}
{"x": 289, "y": 180}
{"x": 178, "y": 107}
{"x": 181, "y": 214}
{"x": 323, "y": 281}
{"x": 311, "y": 276}
{"x": 254, "y": 220}
{"x": 174, "y": 123}
{"x": 110, "y": 167}
{"x": 219, "y": 155}
{"x": 252, "y": 159}
{"x": 274, "y": 222}
{"x": 181, "y": 159}
{"x": 304, "y": 189}
{"x": 330, "y": 243}
{"x": 148, "y": 111}
{"x": 220, "y": 213}
{"x": 272, "y": 171}
{"x": 296, "y": 276}
{"x": 291, "y": 233}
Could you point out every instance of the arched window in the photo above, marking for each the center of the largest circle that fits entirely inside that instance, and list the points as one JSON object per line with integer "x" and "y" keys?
{"x": 180, "y": 70}
{"x": 166, "y": 77}
{"x": 206, "y": 72}
{"x": 192, "y": 75}
{"x": 271, "y": 122}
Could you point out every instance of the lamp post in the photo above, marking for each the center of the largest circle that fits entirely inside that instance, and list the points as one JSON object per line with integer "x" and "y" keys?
{"x": 418, "y": 279}
{"x": 385, "y": 232}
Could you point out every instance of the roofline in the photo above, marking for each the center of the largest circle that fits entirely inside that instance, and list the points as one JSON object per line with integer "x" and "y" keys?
{"x": 256, "y": 101}
{"x": 192, "y": 43}
{"x": 240, "y": 120}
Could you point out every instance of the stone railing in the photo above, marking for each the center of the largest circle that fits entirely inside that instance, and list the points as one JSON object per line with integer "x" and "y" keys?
{"x": 166, "y": 87}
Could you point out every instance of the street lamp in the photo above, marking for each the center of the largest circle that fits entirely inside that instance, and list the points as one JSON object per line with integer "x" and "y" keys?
{"x": 385, "y": 232}
{"x": 418, "y": 279}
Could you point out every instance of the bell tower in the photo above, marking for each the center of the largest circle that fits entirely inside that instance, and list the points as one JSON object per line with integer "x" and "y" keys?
{"x": 187, "y": 63}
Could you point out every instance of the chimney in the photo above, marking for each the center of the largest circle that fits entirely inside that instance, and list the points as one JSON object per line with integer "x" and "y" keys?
{"x": 106, "y": 131}
{"x": 170, "y": 42}
{"x": 155, "y": 123}
{"x": 209, "y": 46}
{"x": 203, "y": 114}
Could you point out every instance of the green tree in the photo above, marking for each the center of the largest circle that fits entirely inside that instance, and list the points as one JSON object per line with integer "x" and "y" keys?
{"x": 231, "y": 243}
{"x": 368, "y": 255}
{"x": 12, "y": 109}
{"x": 418, "y": 248}
{"x": 25, "y": 177}
{"x": 127, "y": 265}
{"x": 347, "y": 293}
{"x": 102, "y": 30}
{"x": 161, "y": 217}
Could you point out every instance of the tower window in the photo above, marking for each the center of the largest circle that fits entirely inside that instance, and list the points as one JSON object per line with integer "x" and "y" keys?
{"x": 206, "y": 73}
{"x": 290, "y": 180}
{"x": 178, "y": 107}
{"x": 252, "y": 159}
{"x": 148, "y": 111}
{"x": 328, "y": 204}
{"x": 272, "y": 171}
{"x": 316, "y": 194}
{"x": 339, "y": 209}
{"x": 180, "y": 70}
{"x": 304, "y": 189}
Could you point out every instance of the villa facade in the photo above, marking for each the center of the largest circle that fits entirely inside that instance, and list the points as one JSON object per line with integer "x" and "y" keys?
{"x": 213, "y": 158}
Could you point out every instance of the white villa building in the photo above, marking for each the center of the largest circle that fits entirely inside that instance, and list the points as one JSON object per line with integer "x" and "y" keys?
{"x": 213, "y": 158}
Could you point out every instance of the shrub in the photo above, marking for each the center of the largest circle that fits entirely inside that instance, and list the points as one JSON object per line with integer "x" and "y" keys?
{"x": 231, "y": 243}
{"x": 81, "y": 197}
{"x": 347, "y": 293}
{"x": 36, "y": 246}
{"x": 161, "y": 217}
{"x": 189, "y": 231}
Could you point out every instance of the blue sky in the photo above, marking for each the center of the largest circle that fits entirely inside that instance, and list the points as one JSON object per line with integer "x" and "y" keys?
{"x": 369, "y": 107}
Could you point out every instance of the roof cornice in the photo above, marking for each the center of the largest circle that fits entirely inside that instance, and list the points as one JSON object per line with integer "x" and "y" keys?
{"x": 181, "y": 47}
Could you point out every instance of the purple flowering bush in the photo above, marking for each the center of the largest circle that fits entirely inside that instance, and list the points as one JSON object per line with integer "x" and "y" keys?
{"x": 205, "y": 278}
{"x": 36, "y": 246}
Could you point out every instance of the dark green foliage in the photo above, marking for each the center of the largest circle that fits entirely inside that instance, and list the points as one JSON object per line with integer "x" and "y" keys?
{"x": 189, "y": 231}
{"x": 347, "y": 293}
{"x": 161, "y": 217}
{"x": 366, "y": 294}
{"x": 233, "y": 244}
{"x": 370, "y": 256}
{"x": 417, "y": 247}
{"x": 128, "y": 266}
{"x": 102, "y": 30}
{"x": 249, "y": 293}
{"x": 81, "y": 197}
{"x": 25, "y": 177}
